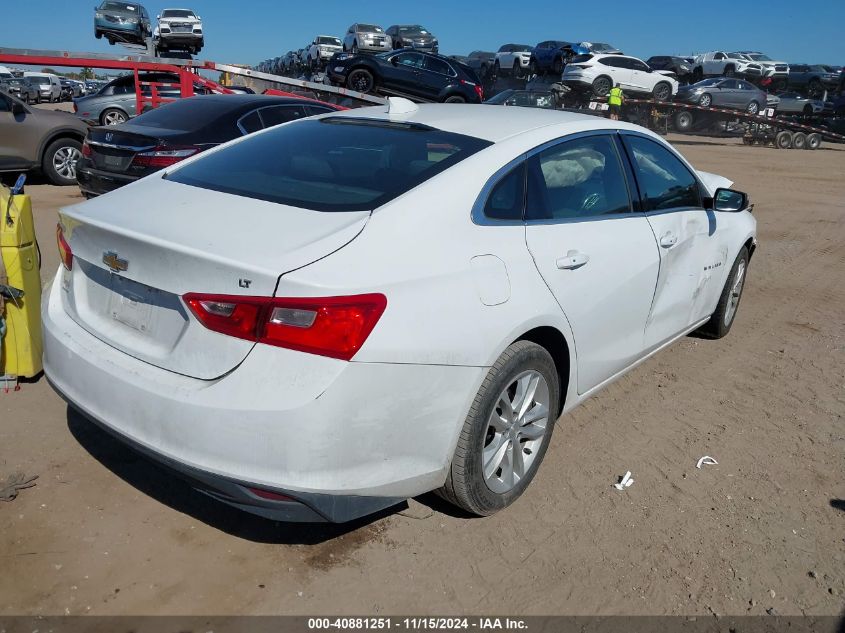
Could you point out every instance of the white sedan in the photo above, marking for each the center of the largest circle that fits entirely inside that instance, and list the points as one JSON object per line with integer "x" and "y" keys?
{"x": 325, "y": 318}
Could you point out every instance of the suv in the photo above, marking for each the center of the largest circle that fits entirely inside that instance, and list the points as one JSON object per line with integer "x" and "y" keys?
{"x": 513, "y": 59}
{"x": 179, "y": 29}
{"x": 778, "y": 72}
{"x": 32, "y": 138}
{"x": 126, "y": 22}
{"x": 815, "y": 79}
{"x": 681, "y": 68}
{"x": 551, "y": 55}
{"x": 421, "y": 76}
{"x": 721, "y": 64}
{"x": 412, "y": 36}
{"x": 599, "y": 73}
{"x": 322, "y": 49}
{"x": 366, "y": 37}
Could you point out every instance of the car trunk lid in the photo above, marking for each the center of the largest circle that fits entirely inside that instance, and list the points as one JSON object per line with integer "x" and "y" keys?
{"x": 133, "y": 262}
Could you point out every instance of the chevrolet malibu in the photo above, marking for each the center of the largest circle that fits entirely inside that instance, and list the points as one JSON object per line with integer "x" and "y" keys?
{"x": 336, "y": 314}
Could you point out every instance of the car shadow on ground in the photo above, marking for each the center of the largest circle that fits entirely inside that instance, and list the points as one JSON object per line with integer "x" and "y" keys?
{"x": 839, "y": 504}
{"x": 160, "y": 484}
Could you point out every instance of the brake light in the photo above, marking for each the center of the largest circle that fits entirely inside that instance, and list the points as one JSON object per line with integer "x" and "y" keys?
{"x": 328, "y": 326}
{"x": 163, "y": 156}
{"x": 65, "y": 254}
{"x": 86, "y": 150}
{"x": 480, "y": 92}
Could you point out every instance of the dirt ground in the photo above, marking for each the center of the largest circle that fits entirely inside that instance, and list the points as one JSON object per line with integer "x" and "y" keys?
{"x": 105, "y": 532}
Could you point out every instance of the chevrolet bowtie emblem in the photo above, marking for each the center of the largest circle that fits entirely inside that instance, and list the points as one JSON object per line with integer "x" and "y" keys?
{"x": 114, "y": 262}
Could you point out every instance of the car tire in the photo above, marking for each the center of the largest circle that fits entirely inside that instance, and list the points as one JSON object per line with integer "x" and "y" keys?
{"x": 38, "y": 98}
{"x": 113, "y": 116}
{"x": 814, "y": 87}
{"x": 753, "y": 108}
{"x": 497, "y": 69}
{"x": 814, "y": 141}
{"x": 662, "y": 91}
{"x": 799, "y": 140}
{"x": 783, "y": 139}
{"x": 705, "y": 100}
{"x": 730, "y": 71}
{"x": 483, "y": 476}
{"x": 361, "y": 80}
{"x": 697, "y": 74}
{"x": 725, "y": 314}
{"x": 602, "y": 86}
{"x": 455, "y": 99}
{"x": 683, "y": 121}
{"x": 59, "y": 161}
{"x": 808, "y": 110}
{"x": 557, "y": 66}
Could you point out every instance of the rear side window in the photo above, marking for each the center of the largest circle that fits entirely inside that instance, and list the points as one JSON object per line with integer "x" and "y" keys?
{"x": 276, "y": 115}
{"x": 665, "y": 182}
{"x": 580, "y": 178}
{"x": 507, "y": 198}
{"x": 438, "y": 66}
{"x": 330, "y": 164}
{"x": 580, "y": 59}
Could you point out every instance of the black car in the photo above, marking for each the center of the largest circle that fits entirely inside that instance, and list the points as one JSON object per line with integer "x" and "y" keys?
{"x": 420, "y": 76}
{"x": 678, "y": 65}
{"x": 115, "y": 155}
{"x": 814, "y": 78}
{"x": 412, "y": 36}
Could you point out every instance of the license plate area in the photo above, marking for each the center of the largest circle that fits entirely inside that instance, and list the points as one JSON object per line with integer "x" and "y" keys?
{"x": 131, "y": 303}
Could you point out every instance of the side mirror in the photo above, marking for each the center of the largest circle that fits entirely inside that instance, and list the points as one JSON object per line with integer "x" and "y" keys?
{"x": 17, "y": 108}
{"x": 394, "y": 60}
{"x": 730, "y": 200}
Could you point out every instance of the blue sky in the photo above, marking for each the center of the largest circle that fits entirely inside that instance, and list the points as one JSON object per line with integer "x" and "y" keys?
{"x": 250, "y": 31}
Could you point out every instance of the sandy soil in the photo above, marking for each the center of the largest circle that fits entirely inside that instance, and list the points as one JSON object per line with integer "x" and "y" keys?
{"x": 105, "y": 532}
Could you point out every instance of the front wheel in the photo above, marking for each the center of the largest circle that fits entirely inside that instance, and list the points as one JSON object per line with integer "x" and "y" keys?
{"x": 722, "y": 319}
{"x": 507, "y": 431}
{"x": 59, "y": 162}
{"x": 361, "y": 80}
{"x": 753, "y": 108}
{"x": 662, "y": 91}
{"x": 705, "y": 101}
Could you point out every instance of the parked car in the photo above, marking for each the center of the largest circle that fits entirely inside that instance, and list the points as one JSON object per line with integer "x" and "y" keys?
{"x": 71, "y": 89}
{"x": 422, "y": 76}
{"x": 179, "y": 29}
{"x": 21, "y": 88}
{"x": 736, "y": 94}
{"x": 777, "y": 71}
{"x": 813, "y": 78}
{"x": 721, "y": 64}
{"x": 680, "y": 67}
{"x": 6, "y": 73}
{"x": 113, "y": 156}
{"x": 599, "y": 73}
{"x": 126, "y": 22}
{"x": 481, "y": 62}
{"x": 48, "y": 86}
{"x": 794, "y": 102}
{"x": 369, "y": 38}
{"x": 512, "y": 59}
{"x": 322, "y": 49}
{"x": 412, "y": 36}
{"x": 550, "y": 57}
{"x": 524, "y": 98}
{"x": 599, "y": 48}
{"x": 116, "y": 102}
{"x": 341, "y": 335}
{"x": 34, "y": 138}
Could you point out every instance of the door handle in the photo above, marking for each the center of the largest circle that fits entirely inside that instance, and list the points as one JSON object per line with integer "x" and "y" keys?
{"x": 668, "y": 239}
{"x": 573, "y": 260}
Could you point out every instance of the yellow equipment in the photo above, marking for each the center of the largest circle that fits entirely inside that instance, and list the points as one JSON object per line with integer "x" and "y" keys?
{"x": 20, "y": 348}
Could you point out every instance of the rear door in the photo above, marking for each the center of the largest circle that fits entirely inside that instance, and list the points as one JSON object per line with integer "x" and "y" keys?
{"x": 597, "y": 256}
{"x": 619, "y": 70}
{"x": 436, "y": 75}
{"x": 690, "y": 255}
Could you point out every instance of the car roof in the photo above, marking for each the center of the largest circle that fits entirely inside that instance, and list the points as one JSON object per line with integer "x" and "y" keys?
{"x": 491, "y": 124}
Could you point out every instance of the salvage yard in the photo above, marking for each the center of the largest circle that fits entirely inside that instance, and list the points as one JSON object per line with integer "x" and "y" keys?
{"x": 106, "y": 532}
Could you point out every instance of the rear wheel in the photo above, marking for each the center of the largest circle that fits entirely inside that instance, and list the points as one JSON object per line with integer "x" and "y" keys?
{"x": 601, "y": 86}
{"x": 799, "y": 140}
{"x": 808, "y": 109}
{"x": 814, "y": 141}
{"x": 722, "y": 319}
{"x": 783, "y": 139}
{"x": 113, "y": 116}
{"x": 59, "y": 161}
{"x": 507, "y": 431}
{"x": 455, "y": 99}
{"x": 361, "y": 80}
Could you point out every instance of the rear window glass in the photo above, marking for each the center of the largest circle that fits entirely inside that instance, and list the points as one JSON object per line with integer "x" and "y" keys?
{"x": 580, "y": 59}
{"x": 331, "y": 164}
{"x": 192, "y": 113}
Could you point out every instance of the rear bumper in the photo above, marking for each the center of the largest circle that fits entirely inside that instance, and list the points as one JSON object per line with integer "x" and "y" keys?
{"x": 96, "y": 183}
{"x": 342, "y": 438}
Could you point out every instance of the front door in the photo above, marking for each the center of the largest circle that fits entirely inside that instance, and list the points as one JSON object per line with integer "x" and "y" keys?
{"x": 691, "y": 259}
{"x": 404, "y": 72}
{"x": 15, "y": 137}
{"x": 597, "y": 256}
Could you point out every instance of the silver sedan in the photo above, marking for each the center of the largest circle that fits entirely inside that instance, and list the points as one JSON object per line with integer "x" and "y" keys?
{"x": 725, "y": 93}
{"x": 794, "y": 102}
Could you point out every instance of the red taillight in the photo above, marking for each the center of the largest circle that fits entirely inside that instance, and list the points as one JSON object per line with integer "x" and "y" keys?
{"x": 269, "y": 494}
{"x": 86, "y": 150}
{"x": 65, "y": 254}
{"x": 480, "y": 92}
{"x": 163, "y": 156}
{"x": 328, "y": 326}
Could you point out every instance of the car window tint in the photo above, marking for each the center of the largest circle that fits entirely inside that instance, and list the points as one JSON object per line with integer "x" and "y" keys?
{"x": 636, "y": 64}
{"x": 330, "y": 164}
{"x": 275, "y": 115}
{"x": 414, "y": 60}
{"x": 250, "y": 123}
{"x": 437, "y": 65}
{"x": 577, "y": 179}
{"x": 613, "y": 62}
{"x": 507, "y": 198}
{"x": 664, "y": 181}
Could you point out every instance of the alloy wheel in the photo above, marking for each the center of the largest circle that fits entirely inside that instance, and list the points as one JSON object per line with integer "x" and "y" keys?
{"x": 64, "y": 162}
{"x": 516, "y": 429}
{"x": 114, "y": 118}
{"x": 736, "y": 292}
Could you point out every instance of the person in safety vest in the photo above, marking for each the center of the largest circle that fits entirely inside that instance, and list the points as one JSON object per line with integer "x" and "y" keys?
{"x": 614, "y": 100}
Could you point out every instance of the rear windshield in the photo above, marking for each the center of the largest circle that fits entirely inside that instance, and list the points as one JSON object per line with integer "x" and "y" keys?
{"x": 330, "y": 164}
{"x": 39, "y": 80}
{"x": 580, "y": 59}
